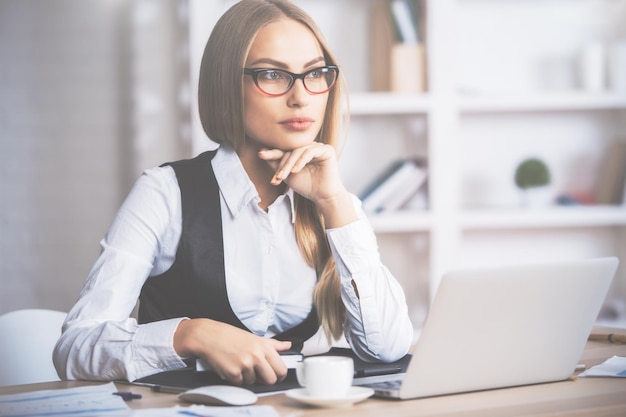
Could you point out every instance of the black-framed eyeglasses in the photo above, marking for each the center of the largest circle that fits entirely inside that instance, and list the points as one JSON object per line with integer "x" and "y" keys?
{"x": 276, "y": 82}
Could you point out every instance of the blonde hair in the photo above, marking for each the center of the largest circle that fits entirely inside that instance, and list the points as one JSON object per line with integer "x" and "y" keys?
{"x": 221, "y": 111}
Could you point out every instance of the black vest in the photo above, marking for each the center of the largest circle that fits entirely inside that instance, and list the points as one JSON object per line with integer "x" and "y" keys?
{"x": 195, "y": 285}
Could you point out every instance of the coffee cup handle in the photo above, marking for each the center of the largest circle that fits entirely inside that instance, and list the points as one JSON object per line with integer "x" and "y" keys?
{"x": 300, "y": 374}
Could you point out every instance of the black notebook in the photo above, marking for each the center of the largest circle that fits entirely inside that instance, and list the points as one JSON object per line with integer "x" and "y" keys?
{"x": 184, "y": 379}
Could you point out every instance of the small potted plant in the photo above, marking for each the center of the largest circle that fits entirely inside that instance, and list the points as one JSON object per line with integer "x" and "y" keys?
{"x": 532, "y": 177}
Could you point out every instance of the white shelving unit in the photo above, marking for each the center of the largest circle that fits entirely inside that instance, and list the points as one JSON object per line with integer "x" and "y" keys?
{"x": 555, "y": 218}
{"x": 547, "y": 102}
{"x": 481, "y": 114}
{"x": 406, "y": 221}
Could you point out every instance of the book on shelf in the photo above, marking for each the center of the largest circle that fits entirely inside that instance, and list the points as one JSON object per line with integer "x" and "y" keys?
{"x": 404, "y": 18}
{"x": 395, "y": 187}
{"x": 612, "y": 180}
{"x": 397, "y": 44}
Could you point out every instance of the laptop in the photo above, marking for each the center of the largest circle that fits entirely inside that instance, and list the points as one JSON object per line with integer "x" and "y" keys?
{"x": 504, "y": 326}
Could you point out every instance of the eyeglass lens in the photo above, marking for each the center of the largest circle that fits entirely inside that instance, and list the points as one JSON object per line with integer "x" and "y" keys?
{"x": 317, "y": 81}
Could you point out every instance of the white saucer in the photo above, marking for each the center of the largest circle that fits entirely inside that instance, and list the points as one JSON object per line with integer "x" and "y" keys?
{"x": 355, "y": 394}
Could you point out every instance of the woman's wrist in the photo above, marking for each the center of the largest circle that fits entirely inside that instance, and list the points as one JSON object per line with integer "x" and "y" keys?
{"x": 187, "y": 336}
{"x": 337, "y": 210}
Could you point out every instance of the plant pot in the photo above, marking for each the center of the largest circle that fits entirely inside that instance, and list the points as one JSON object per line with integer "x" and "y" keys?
{"x": 536, "y": 197}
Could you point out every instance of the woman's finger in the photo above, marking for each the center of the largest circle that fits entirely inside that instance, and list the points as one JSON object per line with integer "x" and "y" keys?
{"x": 248, "y": 375}
{"x": 293, "y": 161}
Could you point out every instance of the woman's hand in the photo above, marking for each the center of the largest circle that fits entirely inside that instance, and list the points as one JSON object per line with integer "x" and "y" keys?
{"x": 234, "y": 354}
{"x": 313, "y": 172}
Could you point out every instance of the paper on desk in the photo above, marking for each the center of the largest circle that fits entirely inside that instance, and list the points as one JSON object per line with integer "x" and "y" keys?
{"x": 612, "y": 367}
{"x": 203, "y": 410}
{"x": 81, "y": 401}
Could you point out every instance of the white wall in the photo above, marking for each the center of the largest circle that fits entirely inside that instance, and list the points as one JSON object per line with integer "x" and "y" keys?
{"x": 76, "y": 130}
{"x": 60, "y": 174}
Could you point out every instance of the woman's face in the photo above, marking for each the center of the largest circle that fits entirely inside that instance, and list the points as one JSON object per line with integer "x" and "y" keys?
{"x": 293, "y": 119}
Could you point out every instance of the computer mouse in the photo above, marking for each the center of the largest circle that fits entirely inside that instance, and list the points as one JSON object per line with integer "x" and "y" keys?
{"x": 219, "y": 395}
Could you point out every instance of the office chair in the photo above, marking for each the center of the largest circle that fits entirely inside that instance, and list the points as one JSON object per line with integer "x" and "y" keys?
{"x": 27, "y": 338}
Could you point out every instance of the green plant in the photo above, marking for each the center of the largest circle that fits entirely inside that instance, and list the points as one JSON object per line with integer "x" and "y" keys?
{"x": 532, "y": 172}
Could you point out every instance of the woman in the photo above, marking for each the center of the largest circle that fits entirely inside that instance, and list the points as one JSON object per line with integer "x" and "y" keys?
{"x": 243, "y": 252}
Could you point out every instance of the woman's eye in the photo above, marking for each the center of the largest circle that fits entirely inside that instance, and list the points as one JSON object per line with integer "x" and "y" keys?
{"x": 272, "y": 75}
{"x": 318, "y": 73}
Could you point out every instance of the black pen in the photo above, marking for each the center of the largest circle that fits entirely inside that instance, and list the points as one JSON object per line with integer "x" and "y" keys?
{"x": 383, "y": 370}
{"x": 128, "y": 396}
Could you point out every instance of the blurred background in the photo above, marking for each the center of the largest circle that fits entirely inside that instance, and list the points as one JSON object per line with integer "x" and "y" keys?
{"x": 93, "y": 92}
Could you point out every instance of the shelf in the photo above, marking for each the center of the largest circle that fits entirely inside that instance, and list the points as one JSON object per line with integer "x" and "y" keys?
{"x": 558, "y": 217}
{"x": 408, "y": 221}
{"x": 364, "y": 104}
{"x": 542, "y": 102}
{"x": 404, "y": 221}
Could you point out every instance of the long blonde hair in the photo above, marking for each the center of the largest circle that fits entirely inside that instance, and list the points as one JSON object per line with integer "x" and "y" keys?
{"x": 221, "y": 111}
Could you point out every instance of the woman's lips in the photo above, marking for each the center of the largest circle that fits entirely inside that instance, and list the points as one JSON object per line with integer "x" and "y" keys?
{"x": 298, "y": 124}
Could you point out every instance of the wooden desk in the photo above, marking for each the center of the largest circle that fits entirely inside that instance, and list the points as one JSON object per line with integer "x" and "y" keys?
{"x": 597, "y": 397}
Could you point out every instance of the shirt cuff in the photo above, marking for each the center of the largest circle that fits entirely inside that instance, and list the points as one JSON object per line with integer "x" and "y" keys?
{"x": 156, "y": 352}
{"x": 354, "y": 247}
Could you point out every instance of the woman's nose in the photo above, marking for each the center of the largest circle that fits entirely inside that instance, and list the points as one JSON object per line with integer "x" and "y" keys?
{"x": 298, "y": 96}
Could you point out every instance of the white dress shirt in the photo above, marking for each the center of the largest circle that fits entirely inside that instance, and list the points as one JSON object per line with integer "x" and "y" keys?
{"x": 269, "y": 284}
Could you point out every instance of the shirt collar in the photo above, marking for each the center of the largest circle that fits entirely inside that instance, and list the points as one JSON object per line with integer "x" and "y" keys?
{"x": 235, "y": 186}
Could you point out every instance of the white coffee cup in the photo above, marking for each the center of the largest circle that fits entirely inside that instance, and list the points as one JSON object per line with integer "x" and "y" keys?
{"x": 326, "y": 376}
